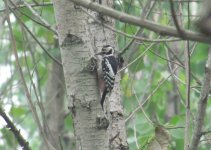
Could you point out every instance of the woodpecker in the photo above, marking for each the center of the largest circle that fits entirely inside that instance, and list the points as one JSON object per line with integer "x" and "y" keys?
{"x": 109, "y": 70}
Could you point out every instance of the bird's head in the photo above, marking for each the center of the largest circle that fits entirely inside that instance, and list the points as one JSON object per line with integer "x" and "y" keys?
{"x": 106, "y": 50}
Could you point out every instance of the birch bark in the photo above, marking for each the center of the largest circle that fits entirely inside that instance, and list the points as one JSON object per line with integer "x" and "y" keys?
{"x": 80, "y": 37}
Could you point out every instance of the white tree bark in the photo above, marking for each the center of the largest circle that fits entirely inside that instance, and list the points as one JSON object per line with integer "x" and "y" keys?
{"x": 80, "y": 37}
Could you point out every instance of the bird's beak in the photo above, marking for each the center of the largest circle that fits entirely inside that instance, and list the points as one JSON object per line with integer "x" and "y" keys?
{"x": 100, "y": 53}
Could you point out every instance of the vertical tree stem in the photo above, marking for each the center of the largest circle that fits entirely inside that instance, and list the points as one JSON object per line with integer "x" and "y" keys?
{"x": 202, "y": 104}
{"x": 187, "y": 75}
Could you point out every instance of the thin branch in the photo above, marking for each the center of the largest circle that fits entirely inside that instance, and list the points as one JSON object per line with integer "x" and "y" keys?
{"x": 176, "y": 127}
{"x": 34, "y": 37}
{"x": 205, "y": 132}
{"x": 135, "y": 135}
{"x": 160, "y": 29}
{"x": 32, "y": 5}
{"x": 45, "y": 23}
{"x": 140, "y": 30}
{"x": 141, "y": 107}
{"x": 35, "y": 69}
{"x": 168, "y": 60}
{"x": 39, "y": 102}
{"x": 202, "y": 104}
{"x": 38, "y": 22}
{"x": 151, "y": 94}
{"x": 172, "y": 52}
{"x": 187, "y": 116}
{"x": 27, "y": 93}
{"x": 188, "y": 79}
{"x": 186, "y": 1}
{"x": 130, "y": 43}
{"x": 141, "y": 55}
{"x": 128, "y": 35}
{"x": 170, "y": 15}
{"x": 183, "y": 1}
{"x": 23, "y": 143}
{"x": 180, "y": 31}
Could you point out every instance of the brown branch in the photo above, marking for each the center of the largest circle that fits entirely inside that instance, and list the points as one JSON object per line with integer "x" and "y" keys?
{"x": 26, "y": 90}
{"x": 205, "y": 132}
{"x": 23, "y": 143}
{"x": 44, "y": 22}
{"x": 168, "y": 60}
{"x": 150, "y": 95}
{"x": 202, "y": 104}
{"x": 137, "y": 58}
{"x": 33, "y": 36}
{"x": 38, "y": 22}
{"x": 128, "y": 35}
{"x": 188, "y": 79}
{"x": 182, "y": 64}
{"x": 145, "y": 13}
{"x": 187, "y": 116}
{"x": 160, "y": 29}
{"x": 176, "y": 23}
{"x": 32, "y": 5}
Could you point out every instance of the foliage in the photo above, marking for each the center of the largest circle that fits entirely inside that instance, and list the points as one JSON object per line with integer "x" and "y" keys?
{"x": 145, "y": 79}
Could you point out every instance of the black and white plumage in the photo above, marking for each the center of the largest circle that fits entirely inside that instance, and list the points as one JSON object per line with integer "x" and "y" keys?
{"x": 109, "y": 69}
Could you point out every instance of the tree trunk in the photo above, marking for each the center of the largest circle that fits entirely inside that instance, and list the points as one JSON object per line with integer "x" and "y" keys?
{"x": 54, "y": 107}
{"x": 80, "y": 37}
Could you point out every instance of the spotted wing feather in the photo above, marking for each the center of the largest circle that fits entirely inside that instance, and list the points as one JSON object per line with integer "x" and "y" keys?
{"x": 109, "y": 66}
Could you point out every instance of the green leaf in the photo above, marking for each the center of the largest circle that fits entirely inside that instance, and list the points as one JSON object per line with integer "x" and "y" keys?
{"x": 68, "y": 122}
{"x": 8, "y": 137}
{"x": 18, "y": 112}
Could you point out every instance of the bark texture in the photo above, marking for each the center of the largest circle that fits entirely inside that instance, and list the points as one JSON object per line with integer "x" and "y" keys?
{"x": 101, "y": 36}
{"x": 54, "y": 107}
{"x": 81, "y": 84}
{"x": 80, "y": 37}
{"x": 202, "y": 105}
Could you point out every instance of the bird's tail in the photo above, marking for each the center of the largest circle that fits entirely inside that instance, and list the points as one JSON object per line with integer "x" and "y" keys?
{"x": 103, "y": 97}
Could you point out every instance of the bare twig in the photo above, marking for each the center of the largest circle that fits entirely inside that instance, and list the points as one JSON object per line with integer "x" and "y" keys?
{"x": 39, "y": 102}
{"x": 141, "y": 107}
{"x": 179, "y": 29}
{"x": 39, "y": 22}
{"x": 188, "y": 79}
{"x": 202, "y": 104}
{"x": 145, "y": 13}
{"x": 23, "y": 143}
{"x": 45, "y": 23}
{"x": 149, "y": 96}
{"x": 32, "y": 5}
{"x": 141, "y": 55}
{"x": 187, "y": 116}
{"x": 176, "y": 127}
{"x": 27, "y": 93}
{"x": 161, "y": 29}
{"x": 153, "y": 92}
{"x": 34, "y": 37}
{"x": 205, "y": 132}
{"x": 128, "y": 35}
{"x": 182, "y": 64}
{"x": 135, "y": 135}
{"x": 166, "y": 59}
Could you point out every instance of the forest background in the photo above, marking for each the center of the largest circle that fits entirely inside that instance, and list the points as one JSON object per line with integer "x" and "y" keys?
{"x": 164, "y": 96}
